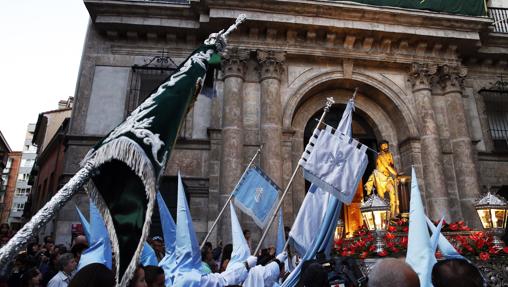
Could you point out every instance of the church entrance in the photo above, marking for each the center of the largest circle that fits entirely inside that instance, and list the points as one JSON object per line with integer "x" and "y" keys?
{"x": 364, "y": 133}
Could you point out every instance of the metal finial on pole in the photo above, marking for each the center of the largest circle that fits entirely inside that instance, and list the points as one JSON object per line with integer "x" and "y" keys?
{"x": 328, "y": 105}
{"x": 230, "y": 198}
{"x": 354, "y": 94}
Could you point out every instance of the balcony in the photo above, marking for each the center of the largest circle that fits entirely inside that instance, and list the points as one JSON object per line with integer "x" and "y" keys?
{"x": 500, "y": 17}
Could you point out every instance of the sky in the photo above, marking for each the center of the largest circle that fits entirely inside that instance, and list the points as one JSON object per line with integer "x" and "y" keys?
{"x": 41, "y": 43}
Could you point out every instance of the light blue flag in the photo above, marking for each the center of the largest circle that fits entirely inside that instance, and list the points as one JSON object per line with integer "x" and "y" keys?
{"x": 84, "y": 223}
{"x": 324, "y": 239}
{"x": 168, "y": 262}
{"x": 334, "y": 161}
{"x": 188, "y": 256}
{"x": 281, "y": 237}
{"x": 241, "y": 250}
{"x": 257, "y": 195}
{"x": 148, "y": 257}
{"x": 309, "y": 219}
{"x": 420, "y": 255}
{"x": 446, "y": 248}
{"x": 100, "y": 245}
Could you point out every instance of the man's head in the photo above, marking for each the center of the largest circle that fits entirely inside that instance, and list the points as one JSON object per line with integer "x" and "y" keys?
{"x": 158, "y": 244}
{"x": 208, "y": 245}
{"x": 67, "y": 263}
{"x": 49, "y": 243}
{"x": 393, "y": 272}
{"x": 384, "y": 146}
{"x": 154, "y": 276}
{"x": 456, "y": 272}
{"x": 80, "y": 239}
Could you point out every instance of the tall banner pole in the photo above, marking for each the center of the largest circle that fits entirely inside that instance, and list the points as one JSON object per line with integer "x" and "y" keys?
{"x": 45, "y": 214}
{"x": 230, "y": 197}
{"x": 329, "y": 103}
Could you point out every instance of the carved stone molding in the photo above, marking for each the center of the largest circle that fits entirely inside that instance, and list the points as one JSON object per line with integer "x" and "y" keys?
{"x": 451, "y": 78}
{"x": 234, "y": 63}
{"x": 271, "y": 64}
{"x": 421, "y": 75}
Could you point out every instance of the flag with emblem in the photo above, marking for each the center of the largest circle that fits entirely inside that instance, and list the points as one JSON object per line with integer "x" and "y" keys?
{"x": 334, "y": 161}
{"x": 257, "y": 195}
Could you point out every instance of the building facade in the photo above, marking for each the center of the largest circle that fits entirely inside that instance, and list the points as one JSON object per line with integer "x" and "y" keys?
{"x": 10, "y": 175}
{"x": 432, "y": 83}
{"x": 49, "y": 138}
{"x": 23, "y": 187}
{"x": 5, "y": 149}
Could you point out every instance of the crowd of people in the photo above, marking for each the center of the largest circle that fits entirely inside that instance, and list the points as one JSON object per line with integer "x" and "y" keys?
{"x": 46, "y": 264}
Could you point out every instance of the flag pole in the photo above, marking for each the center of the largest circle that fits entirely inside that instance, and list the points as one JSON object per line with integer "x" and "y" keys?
{"x": 329, "y": 103}
{"x": 230, "y": 198}
{"x": 45, "y": 214}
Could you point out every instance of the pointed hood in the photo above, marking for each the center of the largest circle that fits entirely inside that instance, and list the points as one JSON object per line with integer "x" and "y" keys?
{"x": 420, "y": 255}
{"x": 168, "y": 262}
{"x": 100, "y": 244}
{"x": 168, "y": 225}
{"x": 84, "y": 223}
{"x": 241, "y": 250}
{"x": 446, "y": 248}
{"x": 188, "y": 255}
{"x": 148, "y": 257}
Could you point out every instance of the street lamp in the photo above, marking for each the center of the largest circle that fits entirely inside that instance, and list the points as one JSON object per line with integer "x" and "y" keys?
{"x": 376, "y": 214}
{"x": 493, "y": 213}
{"x": 339, "y": 230}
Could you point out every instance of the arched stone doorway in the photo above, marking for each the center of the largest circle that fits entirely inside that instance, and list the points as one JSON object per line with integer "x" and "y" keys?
{"x": 379, "y": 114}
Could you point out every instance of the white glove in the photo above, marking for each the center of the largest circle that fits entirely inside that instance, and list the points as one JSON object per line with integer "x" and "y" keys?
{"x": 251, "y": 261}
{"x": 282, "y": 256}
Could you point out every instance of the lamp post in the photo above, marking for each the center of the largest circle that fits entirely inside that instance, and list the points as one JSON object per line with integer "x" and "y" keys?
{"x": 493, "y": 212}
{"x": 339, "y": 230}
{"x": 376, "y": 214}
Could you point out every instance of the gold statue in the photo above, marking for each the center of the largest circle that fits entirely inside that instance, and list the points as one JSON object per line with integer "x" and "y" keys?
{"x": 384, "y": 178}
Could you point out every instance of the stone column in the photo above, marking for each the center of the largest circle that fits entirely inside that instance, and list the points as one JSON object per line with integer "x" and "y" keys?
{"x": 435, "y": 185}
{"x": 233, "y": 69}
{"x": 451, "y": 81}
{"x": 270, "y": 71}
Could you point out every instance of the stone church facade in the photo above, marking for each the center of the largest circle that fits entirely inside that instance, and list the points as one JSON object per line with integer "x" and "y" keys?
{"x": 426, "y": 83}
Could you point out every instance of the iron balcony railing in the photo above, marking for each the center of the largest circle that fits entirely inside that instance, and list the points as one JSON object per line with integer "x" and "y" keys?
{"x": 500, "y": 16}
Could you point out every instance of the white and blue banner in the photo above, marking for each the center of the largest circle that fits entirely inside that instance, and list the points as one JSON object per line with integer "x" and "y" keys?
{"x": 257, "y": 195}
{"x": 335, "y": 163}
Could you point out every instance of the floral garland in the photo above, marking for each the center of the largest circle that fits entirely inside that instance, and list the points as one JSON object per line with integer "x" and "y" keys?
{"x": 467, "y": 242}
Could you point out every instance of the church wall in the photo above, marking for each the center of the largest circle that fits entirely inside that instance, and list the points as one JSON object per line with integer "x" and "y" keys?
{"x": 317, "y": 52}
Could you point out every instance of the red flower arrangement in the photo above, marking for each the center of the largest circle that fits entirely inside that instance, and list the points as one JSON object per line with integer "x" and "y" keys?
{"x": 362, "y": 243}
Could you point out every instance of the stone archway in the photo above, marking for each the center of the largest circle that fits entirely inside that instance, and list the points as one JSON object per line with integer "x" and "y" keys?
{"x": 390, "y": 119}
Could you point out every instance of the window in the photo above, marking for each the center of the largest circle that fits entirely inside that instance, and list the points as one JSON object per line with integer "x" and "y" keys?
{"x": 9, "y": 163}
{"x": 496, "y": 107}
{"x": 27, "y": 162}
{"x": 18, "y": 207}
{"x": 23, "y": 176}
{"x": 22, "y": 191}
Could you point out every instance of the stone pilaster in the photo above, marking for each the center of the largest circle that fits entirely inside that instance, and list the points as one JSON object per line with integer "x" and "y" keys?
{"x": 270, "y": 71}
{"x": 435, "y": 184}
{"x": 233, "y": 69}
{"x": 451, "y": 81}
